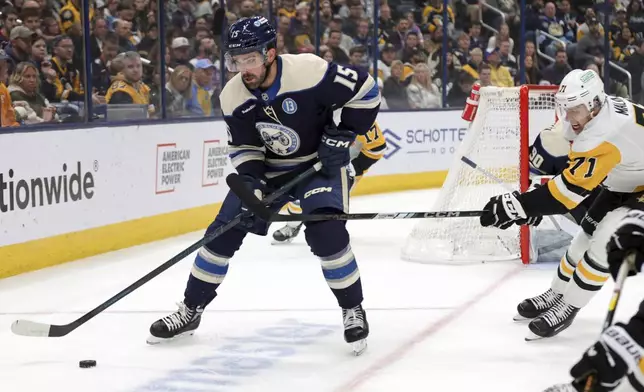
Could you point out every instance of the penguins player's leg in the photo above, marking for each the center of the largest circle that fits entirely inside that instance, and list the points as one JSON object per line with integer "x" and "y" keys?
{"x": 208, "y": 272}
{"x": 589, "y": 274}
{"x": 290, "y": 230}
{"x": 533, "y": 307}
{"x": 329, "y": 241}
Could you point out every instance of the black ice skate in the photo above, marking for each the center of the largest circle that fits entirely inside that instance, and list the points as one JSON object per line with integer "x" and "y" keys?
{"x": 182, "y": 322}
{"x": 535, "y": 306}
{"x": 550, "y": 323}
{"x": 356, "y": 328}
{"x": 286, "y": 234}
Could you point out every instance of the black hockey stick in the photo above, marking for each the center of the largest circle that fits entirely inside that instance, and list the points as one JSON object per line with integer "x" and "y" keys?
{"x": 588, "y": 381}
{"x": 31, "y": 328}
{"x": 238, "y": 187}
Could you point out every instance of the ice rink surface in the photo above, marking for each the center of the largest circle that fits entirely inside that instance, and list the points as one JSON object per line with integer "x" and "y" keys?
{"x": 275, "y": 325}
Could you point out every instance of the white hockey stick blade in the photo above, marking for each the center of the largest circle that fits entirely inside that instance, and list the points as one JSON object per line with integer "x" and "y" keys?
{"x": 359, "y": 347}
{"x": 30, "y": 328}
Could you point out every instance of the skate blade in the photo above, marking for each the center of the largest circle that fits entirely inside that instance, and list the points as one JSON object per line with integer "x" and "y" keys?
{"x": 154, "y": 340}
{"x": 285, "y": 242}
{"x": 518, "y": 318}
{"x": 533, "y": 337}
{"x": 359, "y": 347}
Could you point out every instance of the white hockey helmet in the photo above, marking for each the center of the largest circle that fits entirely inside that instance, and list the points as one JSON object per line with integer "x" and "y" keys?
{"x": 580, "y": 87}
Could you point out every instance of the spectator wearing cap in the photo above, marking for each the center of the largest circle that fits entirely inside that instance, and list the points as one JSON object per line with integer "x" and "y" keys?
{"x": 618, "y": 22}
{"x": 123, "y": 29}
{"x": 590, "y": 47}
{"x": 70, "y": 16}
{"x": 635, "y": 15}
{"x": 127, "y": 86}
{"x": 584, "y": 28}
{"x": 7, "y": 113}
{"x": 180, "y": 52}
{"x": 67, "y": 83}
{"x": 30, "y": 105}
{"x": 387, "y": 56}
{"x": 19, "y": 49}
{"x": 202, "y": 88}
{"x": 500, "y": 75}
{"x": 101, "y": 75}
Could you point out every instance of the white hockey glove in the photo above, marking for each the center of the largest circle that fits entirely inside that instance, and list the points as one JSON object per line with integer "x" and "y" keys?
{"x": 502, "y": 211}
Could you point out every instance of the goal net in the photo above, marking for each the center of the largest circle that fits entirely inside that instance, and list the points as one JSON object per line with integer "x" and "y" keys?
{"x": 507, "y": 122}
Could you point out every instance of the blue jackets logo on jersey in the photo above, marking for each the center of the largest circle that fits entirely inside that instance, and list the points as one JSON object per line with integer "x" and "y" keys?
{"x": 289, "y": 106}
{"x": 279, "y": 139}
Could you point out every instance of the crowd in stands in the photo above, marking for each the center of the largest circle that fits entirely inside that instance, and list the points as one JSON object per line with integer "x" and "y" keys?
{"x": 42, "y": 61}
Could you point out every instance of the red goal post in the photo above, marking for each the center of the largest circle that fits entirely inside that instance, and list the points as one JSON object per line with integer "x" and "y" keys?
{"x": 506, "y": 123}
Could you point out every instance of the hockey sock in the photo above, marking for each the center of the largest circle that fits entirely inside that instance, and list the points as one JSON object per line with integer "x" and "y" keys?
{"x": 575, "y": 252}
{"x": 293, "y": 208}
{"x": 329, "y": 240}
{"x": 210, "y": 267}
{"x": 565, "y": 270}
{"x": 588, "y": 279}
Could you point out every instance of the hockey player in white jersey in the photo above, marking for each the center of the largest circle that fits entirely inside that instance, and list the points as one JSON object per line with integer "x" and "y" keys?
{"x": 616, "y": 360}
{"x": 606, "y": 150}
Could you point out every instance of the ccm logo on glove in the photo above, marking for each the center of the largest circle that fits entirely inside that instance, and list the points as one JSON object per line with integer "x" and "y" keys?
{"x": 335, "y": 143}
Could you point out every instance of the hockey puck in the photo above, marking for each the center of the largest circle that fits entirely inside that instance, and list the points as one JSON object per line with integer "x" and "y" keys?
{"x": 88, "y": 363}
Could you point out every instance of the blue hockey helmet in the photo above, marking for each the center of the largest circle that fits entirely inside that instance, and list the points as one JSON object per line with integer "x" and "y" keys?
{"x": 249, "y": 35}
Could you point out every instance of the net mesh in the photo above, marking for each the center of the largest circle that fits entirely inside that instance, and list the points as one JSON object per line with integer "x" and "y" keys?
{"x": 492, "y": 143}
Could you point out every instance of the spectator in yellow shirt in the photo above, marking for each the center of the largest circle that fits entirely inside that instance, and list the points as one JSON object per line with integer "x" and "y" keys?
{"x": 501, "y": 76}
{"x": 7, "y": 113}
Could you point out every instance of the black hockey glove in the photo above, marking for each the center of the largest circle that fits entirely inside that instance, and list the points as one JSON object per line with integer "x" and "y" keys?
{"x": 629, "y": 237}
{"x": 608, "y": 360}
{"x": 334, "y": 149}
{"x": 502, "y": 211}
{"x": 249, "y": 220}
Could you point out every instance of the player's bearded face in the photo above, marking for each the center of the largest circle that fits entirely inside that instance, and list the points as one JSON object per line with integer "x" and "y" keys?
{"x": 251, "y": 65}
{"x": 578, "y": 117}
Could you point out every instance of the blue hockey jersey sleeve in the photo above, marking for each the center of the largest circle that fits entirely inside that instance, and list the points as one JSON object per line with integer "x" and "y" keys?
{"x": 549, "y": 152}
{"x": 355, "y": 92}
{"x": 245, "y": 147}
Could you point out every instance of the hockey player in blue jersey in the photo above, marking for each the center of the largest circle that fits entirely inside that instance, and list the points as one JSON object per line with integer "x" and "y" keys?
{"x": 278, "y": 110}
